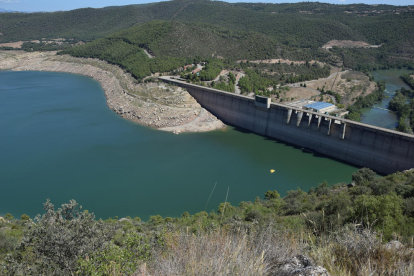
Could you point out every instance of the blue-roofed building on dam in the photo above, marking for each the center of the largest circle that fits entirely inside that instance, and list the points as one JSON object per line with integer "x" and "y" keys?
{"x": 320, "y": 107}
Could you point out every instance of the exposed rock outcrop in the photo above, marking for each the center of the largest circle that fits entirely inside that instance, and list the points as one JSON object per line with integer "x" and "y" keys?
{"x": 299, "y": 266}
{"x": 393, "y": 245}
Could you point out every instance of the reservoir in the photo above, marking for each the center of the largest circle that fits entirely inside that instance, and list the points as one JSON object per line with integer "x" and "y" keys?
{"x": 379, "y": 117}
{"x": 59, "y": 140}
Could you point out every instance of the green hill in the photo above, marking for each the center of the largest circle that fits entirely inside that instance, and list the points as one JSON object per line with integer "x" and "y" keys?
{"x": 174, "y": 44}
{"x": 83, "y": 24}
{"x": 179, "y": 39}
{"x": 304, "y": 24}
{"x": 203, "y": 28}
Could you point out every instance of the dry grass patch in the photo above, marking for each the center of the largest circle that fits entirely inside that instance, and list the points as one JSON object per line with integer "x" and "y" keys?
{"x": 16, "y": 45}
{"x": 224, "y": 252}
{"x": 361, "y": 253}
{"x": 345, "y": 43}
{"x": 295, "y": 94}
{"x": 348, "y": 84}
{"x": 227, "y": 252}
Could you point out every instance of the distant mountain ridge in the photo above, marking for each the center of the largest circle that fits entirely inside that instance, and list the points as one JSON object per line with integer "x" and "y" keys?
{"x": 11, "y": 11}
{"x": 3, "y": 10}
{"x": 303, "y": 24}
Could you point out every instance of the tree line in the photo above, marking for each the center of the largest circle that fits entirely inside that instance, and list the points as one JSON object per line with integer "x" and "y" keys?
{"x": 367, "y": 101}
{"x": 403, "y": 105}
{"x": 408, "y": 80}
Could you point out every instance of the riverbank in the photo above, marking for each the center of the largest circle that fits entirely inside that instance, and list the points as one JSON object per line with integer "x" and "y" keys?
{"x": 380, "y": 115}
{"x": 161, "y": 106}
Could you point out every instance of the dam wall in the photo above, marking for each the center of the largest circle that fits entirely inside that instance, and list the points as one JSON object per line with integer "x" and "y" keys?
{"x": 383, "y": 150}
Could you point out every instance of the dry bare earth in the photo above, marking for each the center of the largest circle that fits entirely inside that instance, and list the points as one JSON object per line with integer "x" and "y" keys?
{"x": 348, "y": 44}
{"x": 286, "y": 61}
{"x": 295, "y": 94}
{"x": 159, "y": 105}
{"x": 359, "y": 84}
{"x": 16, "y": 45}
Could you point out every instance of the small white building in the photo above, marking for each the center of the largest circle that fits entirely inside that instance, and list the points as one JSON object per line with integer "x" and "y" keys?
{"x": 320, "y": 107}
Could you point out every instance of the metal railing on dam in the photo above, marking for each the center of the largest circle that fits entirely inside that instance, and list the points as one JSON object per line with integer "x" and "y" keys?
{"x": 383, "y": 150}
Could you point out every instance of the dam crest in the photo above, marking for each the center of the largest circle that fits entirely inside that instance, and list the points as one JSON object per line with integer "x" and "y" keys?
{"x": 383, "y": 150}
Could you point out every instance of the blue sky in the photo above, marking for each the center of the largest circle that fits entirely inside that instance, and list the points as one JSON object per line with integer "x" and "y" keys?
{"x": 55, "y": 5}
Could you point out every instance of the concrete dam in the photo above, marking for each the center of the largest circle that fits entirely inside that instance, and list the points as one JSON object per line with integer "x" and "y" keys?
{"x": 383, "y": 150}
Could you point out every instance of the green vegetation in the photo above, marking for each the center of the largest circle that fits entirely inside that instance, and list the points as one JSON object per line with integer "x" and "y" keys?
{"x": 174, "y": 44}
{"x": 255, "y": 81}
{"x": 126, "y": 49}
{"x": 70, "y": 241}
{"x": 183, "y": 40}
{"x": 408, "y": 80}
{"x": 336, "y": 95}
{"x": 209, "y": 28}
{"x": 367, "y": 101}
{"x": 403, "y": 105}
{"x": 260, "y": 76}
{"x": 225, "y": 83}
{"x": 82, "y": 24}
{"x": 211, "y": 71}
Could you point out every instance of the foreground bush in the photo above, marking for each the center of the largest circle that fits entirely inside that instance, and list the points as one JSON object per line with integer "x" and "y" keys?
{"x": 54, "y": 242}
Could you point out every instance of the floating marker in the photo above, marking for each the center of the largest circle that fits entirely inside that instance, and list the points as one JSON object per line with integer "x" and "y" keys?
{"x": 272, "y": 171}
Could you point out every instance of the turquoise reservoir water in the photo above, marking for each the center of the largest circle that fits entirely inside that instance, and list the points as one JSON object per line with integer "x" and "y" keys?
{"x": 59, "y": 140}
{"x": 379, "y": 117}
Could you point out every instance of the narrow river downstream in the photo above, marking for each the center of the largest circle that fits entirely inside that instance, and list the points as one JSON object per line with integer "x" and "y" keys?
{"x": 379, "y": 117}
{"x": 59, "y": 140}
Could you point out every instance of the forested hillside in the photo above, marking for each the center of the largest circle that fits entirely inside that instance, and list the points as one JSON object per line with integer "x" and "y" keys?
{"x": 299, "y": 24}
{"x": 174, "y": 44}
{"x": 251, "y": 30}
{"x": 83, "y": 24}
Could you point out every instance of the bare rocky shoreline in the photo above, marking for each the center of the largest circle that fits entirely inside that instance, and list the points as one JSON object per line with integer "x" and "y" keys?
{"x": 165, "y": 107}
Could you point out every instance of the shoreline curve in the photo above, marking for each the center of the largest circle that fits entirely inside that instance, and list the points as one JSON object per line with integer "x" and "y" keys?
{"x": 161, "y": 106}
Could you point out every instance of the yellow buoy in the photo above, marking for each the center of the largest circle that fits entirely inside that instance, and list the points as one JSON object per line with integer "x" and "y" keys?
{"x": 272, "y": 171}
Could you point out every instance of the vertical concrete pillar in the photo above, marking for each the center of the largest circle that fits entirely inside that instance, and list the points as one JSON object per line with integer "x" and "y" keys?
{"x": 342, "y": 133}
{"x": 299, "y": 118}
{"x": 289, "y": 115}
{"x": 310, "y": 119}
{"x": 319, "y": 121}
{"x": 329, "y": 126}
